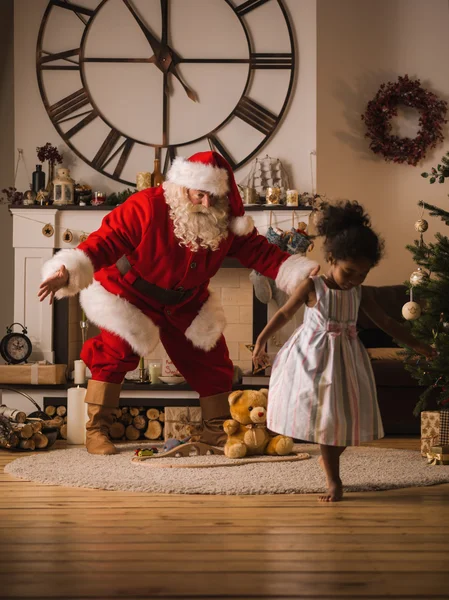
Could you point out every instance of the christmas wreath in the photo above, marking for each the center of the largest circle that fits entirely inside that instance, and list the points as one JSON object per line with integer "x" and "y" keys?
{"x": 383, "y": 107}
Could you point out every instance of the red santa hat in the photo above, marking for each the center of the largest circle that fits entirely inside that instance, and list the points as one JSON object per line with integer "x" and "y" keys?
{"x": 210, "y": 172}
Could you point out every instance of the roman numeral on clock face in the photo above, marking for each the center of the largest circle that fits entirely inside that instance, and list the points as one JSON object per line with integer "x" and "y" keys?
{"x": 76, "y": 8}
{"x": 68, "y": 105}
{"x": 255, "y": 115}
{"x": 248, "y": 6}
{"x": 106, "y": 154}
{"x": 271, "y": 61}
{"x": 69, "y": 65}
{"x": 215, "y": 144}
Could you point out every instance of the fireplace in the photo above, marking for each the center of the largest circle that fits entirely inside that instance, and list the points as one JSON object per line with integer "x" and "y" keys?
{"x": 38, "y": 232}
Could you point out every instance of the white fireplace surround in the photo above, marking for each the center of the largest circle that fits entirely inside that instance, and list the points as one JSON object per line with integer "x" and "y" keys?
{"x": 32, "y": 248}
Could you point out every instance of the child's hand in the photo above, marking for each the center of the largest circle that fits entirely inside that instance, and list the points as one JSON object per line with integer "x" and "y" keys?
{"x": 260, "y": 357}
{"x": 425, "y": 349}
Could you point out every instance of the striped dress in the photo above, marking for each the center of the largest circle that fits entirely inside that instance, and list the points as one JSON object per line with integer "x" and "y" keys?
{"x": 322, "y": 385}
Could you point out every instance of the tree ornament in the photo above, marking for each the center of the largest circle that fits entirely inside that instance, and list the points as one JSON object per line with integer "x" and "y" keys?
{"x": 421, "y": 225}
{"x": 67, "y": 236}
{"x": 411, "y": 311}
{"x": 384, "y": 106}
{"x": 419, "y": 276}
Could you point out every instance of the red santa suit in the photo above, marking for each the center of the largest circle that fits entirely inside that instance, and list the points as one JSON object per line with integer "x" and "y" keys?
{"x": 130, "y": 320}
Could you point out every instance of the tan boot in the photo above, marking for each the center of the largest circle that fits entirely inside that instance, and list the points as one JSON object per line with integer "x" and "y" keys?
{"x": 215, "y": 411}
{"x": 101, "y": 399}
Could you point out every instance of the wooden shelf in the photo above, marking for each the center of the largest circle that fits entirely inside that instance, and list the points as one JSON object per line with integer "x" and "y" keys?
{"x": 247, "y": 207}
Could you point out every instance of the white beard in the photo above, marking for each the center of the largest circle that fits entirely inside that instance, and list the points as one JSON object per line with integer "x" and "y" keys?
{"x": 195, "y": 225}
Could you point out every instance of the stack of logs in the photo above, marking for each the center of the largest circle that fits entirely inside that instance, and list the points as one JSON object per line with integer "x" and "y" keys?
{"x": 131, "y": 422}
{"x": 58, "y": 415}
{"x": 17, "y": 431}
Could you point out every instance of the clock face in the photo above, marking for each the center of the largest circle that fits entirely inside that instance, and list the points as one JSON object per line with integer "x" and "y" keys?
{"x": 125, "y": 81}
{"x": 15, "y": 348}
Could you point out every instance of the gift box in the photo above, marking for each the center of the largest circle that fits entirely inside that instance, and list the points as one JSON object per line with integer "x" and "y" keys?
{"x": 434, "y": 429}
{"x": 182, "y": 421}
{"x": 34, "y": 374}
{"x": 438, "y": 455}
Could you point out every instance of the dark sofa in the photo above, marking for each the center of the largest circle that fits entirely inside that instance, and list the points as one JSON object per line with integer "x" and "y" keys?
{"x": 397, "y": 390}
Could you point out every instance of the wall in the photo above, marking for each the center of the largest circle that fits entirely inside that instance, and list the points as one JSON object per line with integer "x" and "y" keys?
{"x": 362, "y": 44}
{"x": 292, "y": 142}
{"x": 6, "y": 158}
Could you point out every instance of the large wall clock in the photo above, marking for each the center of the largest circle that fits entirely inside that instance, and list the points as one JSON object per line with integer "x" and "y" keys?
{"x": 124, "y": 81}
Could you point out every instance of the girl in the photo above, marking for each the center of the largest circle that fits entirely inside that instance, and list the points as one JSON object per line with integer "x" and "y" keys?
{"x": 322, "y": 387}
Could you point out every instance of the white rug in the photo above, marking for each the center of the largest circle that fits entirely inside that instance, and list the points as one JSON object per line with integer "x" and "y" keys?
{"x": 363, "y": 469}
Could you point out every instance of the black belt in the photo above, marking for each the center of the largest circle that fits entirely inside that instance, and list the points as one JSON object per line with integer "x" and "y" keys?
{"x": 150, "y": 289}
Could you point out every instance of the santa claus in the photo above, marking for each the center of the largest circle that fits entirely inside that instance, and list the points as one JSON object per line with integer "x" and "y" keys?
{"x": 143, "y": 276}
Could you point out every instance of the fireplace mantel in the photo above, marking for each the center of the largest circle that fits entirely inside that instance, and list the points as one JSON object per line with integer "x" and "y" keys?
{"x": 33, "y": 246}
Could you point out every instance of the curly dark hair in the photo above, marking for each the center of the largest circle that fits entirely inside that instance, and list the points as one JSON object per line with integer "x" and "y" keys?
{"x": 348, "y": 234}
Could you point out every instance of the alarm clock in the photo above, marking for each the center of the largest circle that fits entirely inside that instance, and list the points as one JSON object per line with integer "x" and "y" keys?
{"x": 15, "y": 348}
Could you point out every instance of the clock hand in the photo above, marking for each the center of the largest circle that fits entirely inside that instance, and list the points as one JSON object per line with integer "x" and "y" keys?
{"x": 170, "y": 61}
{"x": 153, "y": 41}
{"x": 164, "y": 11}
{"x": 164, "y": 54}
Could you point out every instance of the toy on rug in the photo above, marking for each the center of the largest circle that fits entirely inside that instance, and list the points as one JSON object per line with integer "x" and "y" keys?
{"x": 146, "y": 451}
{"x": 247, "y": 431}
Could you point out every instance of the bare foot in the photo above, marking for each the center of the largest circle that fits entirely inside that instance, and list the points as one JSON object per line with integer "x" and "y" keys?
{"x": 334, "y": 487}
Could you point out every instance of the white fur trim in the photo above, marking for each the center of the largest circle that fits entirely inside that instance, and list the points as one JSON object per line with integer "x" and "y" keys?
{"x": 81, "y": 270}
{"x": 241, "y": 225}
{"x": 117, "y": 315}
{"x": 294, "y": 270}
{"x": 207, "y": 327}
{"x": 198, "y": 176}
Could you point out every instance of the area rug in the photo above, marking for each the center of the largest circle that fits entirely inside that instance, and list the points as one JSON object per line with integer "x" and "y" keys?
{"x": 363, "y": 469}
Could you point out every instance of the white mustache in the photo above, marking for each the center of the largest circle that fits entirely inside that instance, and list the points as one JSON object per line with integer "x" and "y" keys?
{"x": 199, "y": 208}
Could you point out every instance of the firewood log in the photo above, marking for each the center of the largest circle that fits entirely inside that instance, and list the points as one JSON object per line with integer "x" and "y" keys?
{"x": 56, "y": 422}
{"x": 117, "y": 412}
{"x": 63, "y": 432}
{"x": 61, "y": 411}
{"x": 40, "y": 440}
{"x": 23, "y": 430}
{"x": 126, "y": 419}
{"x": 117, "y": 430}
{"x": 50, "y": 410}
{"x": 139, "y": 422}
{"x": 14, "y": 441}
{"x": 27, "y": 444}
{"x": 162, "y": 417}
{"x": 125, "y": 409}
{"x": 133, "y": 411}
{"x": 12, "y": 414}
{"x": 132, "y": 433}
{"x": 153, "y": 414}
{"x": 36, "y": 425}
{"x": 59, "y": 421}
{"x": 153, "y": 431}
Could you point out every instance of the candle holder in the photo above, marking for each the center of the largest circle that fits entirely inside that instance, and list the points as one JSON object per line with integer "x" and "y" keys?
{"x": 84, "y": 325}
{"x": 142, "y": 373}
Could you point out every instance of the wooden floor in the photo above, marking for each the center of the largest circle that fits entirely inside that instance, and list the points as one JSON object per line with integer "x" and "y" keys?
{"x": 73, "y": 543}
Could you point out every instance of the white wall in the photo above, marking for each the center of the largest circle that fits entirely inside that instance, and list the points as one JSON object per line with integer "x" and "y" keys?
{"x": 292, "y": 143}
{"x": 6, "y": 159}
{"x": 362, "y": 44}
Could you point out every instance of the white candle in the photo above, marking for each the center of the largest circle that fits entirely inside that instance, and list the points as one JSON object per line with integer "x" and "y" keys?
{"x": 80, "y": 372}
{"x": 155, "y": 372}
{"x": 76, "y": 415}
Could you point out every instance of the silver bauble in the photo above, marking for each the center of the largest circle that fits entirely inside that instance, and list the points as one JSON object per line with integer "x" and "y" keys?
{"x": 421, "y": 225}
{"x": 418, "y": 276}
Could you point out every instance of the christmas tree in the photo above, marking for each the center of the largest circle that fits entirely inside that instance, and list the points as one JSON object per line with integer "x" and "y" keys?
{"x": 428, "y": 310}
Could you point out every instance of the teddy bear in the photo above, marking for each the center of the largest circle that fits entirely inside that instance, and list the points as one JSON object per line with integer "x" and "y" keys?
{"x": 247, "y": 432}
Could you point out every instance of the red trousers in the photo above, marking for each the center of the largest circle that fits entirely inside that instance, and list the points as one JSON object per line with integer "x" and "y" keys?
{"x": 109, "y": 358}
